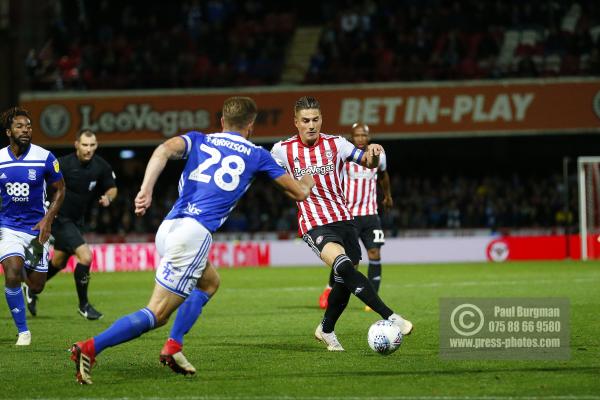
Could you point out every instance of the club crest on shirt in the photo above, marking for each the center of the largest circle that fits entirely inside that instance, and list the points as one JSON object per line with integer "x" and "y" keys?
{"x": 31, "y": 175}
{"x": 92, "y": 186}
{"x": 329, "y": 154}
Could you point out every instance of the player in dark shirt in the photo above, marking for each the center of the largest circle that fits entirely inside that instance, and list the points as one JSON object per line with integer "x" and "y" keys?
{"x": 86, "y": 175}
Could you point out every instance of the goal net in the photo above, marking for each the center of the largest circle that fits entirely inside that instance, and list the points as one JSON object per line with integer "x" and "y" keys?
{"x": 588, "y": 169}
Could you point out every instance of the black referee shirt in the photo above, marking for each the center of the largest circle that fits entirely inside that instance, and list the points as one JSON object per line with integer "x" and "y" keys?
{"x": 84, "y": 182}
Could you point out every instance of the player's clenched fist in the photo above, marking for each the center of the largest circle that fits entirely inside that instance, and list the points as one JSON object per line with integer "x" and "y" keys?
{"x": 374, "y": 149}
{"x": 373, "y": 152}
{"x": 143, "y": 200}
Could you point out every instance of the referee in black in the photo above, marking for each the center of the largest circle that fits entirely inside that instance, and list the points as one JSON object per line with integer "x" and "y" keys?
{"x": 87, "y": 177}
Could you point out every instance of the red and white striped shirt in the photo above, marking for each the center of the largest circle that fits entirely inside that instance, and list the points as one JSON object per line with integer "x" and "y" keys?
{"x": 325, "y": 161}
{"x": 360, "y": 187}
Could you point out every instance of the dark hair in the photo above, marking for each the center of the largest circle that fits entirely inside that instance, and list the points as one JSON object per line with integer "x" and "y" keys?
{"x": 239, "y": 112}
{"x": 307, "y": 103}
{"x": 9, "y": 115}
{"x": 85, "y": 132}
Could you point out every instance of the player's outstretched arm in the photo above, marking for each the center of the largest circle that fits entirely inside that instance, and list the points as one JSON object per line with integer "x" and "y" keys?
{"x": 371, "y": 157}
{"x": 57, "y": 192}
{"x": 172, "y": 149}
{"x": 298, "y": 190}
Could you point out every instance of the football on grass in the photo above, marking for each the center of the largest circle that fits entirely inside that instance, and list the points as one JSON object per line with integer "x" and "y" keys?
{"x": 384, "y": 337}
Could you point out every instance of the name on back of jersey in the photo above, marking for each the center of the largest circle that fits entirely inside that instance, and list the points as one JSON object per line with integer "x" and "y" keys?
{"x": 239, "y": 147}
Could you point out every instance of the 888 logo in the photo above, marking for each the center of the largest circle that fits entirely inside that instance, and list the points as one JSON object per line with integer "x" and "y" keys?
{"x": 18, "y": 190}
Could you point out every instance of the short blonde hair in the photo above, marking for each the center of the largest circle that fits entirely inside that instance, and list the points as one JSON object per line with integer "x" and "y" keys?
{"x": 239, "y": 112}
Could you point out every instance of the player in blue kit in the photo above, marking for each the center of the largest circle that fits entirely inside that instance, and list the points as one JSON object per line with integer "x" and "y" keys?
{"x": 219, "y": 169}
{"x": 27, "y": 173}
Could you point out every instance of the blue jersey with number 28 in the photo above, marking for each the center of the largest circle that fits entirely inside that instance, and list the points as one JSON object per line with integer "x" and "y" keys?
{"x": 220, "y": 168}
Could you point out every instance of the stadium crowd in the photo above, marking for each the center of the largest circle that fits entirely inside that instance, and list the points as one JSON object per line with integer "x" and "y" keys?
{"x": 150, "y": 44}
{"x": 440, "y": 40}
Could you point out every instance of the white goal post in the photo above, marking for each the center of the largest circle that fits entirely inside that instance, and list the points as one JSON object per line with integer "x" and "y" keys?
{"x": 588, "y": 172}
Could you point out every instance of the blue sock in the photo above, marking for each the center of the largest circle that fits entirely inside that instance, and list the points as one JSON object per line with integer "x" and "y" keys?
{"x": 188, "y": 313}
{"x": 16, "y": 305}
{"x": 124, "y": 329}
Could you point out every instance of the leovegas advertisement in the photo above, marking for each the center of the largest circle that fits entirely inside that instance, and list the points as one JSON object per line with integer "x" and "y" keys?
{"x": 439, "y": 109}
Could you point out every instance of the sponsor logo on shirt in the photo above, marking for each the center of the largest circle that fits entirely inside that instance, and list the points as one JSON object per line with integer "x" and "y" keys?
{"x": 192, "y": 209}
{"x": 314, "y": 170}
{"x": 3, "y": 176}
{"x": 92, "y": 186}
{"x": 19, "y": 192}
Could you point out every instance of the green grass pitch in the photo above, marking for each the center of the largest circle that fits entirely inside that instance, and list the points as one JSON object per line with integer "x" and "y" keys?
{"x": 255, "y": 339}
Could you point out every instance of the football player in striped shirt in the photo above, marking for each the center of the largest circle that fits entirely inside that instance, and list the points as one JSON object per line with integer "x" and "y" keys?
{"x": 324, "y": 219}
{"x": 360, "y": 189}
{"x": 29, "y": 175}
{"x": 220, "y": 168}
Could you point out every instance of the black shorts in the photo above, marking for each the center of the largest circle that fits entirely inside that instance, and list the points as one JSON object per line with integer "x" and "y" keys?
{"x": 67, "y": 235}
{"x": 369, "y": 231}
{"x": 343, "y": 233}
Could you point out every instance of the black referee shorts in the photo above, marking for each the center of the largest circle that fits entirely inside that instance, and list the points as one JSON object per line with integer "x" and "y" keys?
{"x": 67, "y": 235}
{"x": 369, "y": 231}
{"x": 343, "y": 232}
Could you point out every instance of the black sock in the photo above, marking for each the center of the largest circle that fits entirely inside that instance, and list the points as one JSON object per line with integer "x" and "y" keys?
{"x": 331, "y": 280}
{"x": 360, "y": 286}
{"x": 375, "y": 274}
{"x": 82, "y": 279}
{"x": 337, "y": 302}
{"x": 52, "y": 270}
